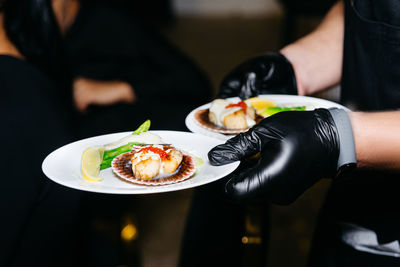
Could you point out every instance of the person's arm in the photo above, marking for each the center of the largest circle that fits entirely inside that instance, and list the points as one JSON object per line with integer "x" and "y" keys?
{"x": 377, "y": 139}
{"x": 317, "y": 57}
{"x": 311, "y": 64}
{"x": 92, "y": 92}
{"x": 298, "y": 148}
{"x": 6, "y": 46}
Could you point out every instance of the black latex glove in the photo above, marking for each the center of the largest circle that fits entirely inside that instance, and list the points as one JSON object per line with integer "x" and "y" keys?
{"x": 271, "y": 73}
{"x": 297, "y": 148}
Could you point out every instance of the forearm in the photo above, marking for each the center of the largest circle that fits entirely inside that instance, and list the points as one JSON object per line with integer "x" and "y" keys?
{"x": 87, "y": 92}
{"x": 377, "y": 139}
{"x": 114, "y": 91}
{"x": 317, "y": 57}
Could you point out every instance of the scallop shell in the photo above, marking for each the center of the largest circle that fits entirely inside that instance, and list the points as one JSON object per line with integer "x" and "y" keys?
{"x": 201, "y": 118}
{"x": 122, "y": 167}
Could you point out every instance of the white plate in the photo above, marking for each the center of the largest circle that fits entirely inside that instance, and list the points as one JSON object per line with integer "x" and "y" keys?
{"x": 281, "y": 100}
{"x": 63, "y": 165}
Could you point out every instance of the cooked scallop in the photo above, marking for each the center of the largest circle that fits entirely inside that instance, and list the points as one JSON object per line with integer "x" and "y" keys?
{"x": 172, "y": 162}
{"x": 145, "y": 169}
{"x": 216, "y": 109}
{"x": 236, "y": 120}
{"x": 231, "y": 115}
{"x": 251, "y": 112}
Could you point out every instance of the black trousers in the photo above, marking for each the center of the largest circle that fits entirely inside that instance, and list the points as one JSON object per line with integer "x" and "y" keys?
{"x": 39, "y": 225}
{"x": 365, "y": 198}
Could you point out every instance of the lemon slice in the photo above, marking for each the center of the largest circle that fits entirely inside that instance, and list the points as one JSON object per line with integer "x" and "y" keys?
{"x": 90, "y": 163}
{"x": 259, "y": 103}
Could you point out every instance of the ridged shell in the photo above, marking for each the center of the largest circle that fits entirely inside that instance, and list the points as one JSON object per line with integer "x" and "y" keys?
{"x": 122, "y": 167}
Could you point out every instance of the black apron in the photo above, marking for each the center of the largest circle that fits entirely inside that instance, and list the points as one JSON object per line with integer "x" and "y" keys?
{"x": 359, "y": 223}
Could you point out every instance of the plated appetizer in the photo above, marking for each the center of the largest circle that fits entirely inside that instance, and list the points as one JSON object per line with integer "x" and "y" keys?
{"x": 140, "y": 158}
{"x": 227, "y": 117}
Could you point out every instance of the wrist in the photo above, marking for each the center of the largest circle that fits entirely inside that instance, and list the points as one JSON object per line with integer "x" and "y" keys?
{"x": 126, "y": 92}
{"x": 111, "y": 92}
{"x": 347, "y": 153}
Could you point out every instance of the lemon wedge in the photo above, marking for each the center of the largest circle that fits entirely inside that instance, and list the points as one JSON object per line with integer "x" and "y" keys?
{"x": 260, "y": 104}
{"x": 90, "y": 163}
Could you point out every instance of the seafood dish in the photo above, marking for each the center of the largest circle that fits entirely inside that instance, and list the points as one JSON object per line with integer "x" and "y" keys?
{"x": 226, "y": 117}
{"x": 141, "y": 157}
{"x": 154, "y": 165}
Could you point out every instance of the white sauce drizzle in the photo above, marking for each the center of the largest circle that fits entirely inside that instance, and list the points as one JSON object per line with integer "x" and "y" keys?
{"x": 144, "y": 138}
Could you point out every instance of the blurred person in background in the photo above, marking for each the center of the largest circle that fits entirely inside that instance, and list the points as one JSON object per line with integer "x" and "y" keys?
{"x": 58, "y": 57}
{"x": 356, "y": 45}
{"x": 39, "y": 225}
{"x": 124, "y": 71}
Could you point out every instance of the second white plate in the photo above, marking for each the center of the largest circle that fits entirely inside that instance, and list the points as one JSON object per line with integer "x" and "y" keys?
{"x": 280, "y": 100}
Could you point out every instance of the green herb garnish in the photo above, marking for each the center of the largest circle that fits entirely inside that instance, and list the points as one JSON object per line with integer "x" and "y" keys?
{"x": 109, "y": 155}
{"x": 142, "y": 128}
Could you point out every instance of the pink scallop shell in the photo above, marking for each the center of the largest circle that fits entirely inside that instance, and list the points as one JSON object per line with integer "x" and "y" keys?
{"x": 122, "y": 167}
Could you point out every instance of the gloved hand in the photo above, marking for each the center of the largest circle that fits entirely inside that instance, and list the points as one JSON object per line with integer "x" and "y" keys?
{"x": 271, "y": 73}
{"x": 297, "y": 148}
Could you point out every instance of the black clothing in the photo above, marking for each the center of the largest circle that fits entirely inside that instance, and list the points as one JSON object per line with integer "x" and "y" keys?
{"x": 216, "y": 225}
{"x": 107, "y": 43}
{"x": 38, "y": 216}
{"x": 371, "y": 59}
{"x": 376, "y": 11}
{"x": 214, "y": 229}
{"x": 365, "y": 201}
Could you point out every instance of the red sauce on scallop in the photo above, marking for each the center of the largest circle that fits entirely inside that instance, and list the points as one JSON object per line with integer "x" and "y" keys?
{"x": 240, "y": 104}
{"x": 163, "y": 155}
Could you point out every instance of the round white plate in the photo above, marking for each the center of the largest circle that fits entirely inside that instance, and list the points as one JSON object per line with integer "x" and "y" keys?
{"x": 280, "y": 100}
{"x": 63, "y": 165}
